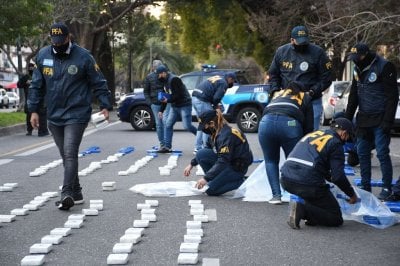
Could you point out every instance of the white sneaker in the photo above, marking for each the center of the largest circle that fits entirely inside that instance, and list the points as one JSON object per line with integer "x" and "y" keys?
{"x": 275, "y": 200}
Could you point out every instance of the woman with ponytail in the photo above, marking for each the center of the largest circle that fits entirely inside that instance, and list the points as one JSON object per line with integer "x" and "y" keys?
{"x": 226, "y": 158}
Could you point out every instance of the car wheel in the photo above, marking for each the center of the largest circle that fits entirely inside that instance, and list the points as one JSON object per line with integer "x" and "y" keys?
{"x": 141, "y": 118}
{"x": 248, "y": 119}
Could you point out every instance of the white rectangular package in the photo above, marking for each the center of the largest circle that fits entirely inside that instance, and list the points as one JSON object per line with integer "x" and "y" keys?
{"x": 96, "y": 206}
{"x": 153, "y": 203}
{"x": 7, "y": 218}
{"x": 90, "y": 212}
{"x": 191, "y": 202}
{"x": 148, "y": 211}
{"x": 135, "y": 231}
{"x": 141, "y": 206}
{"x": 188, "y": 258}
{"x": 196, "y": 232}
{"x": 141, "y": 223}
{"x": 189, "y": 247}
{"x": 123, "y": 248}
{"x": 40, "y": 248}
{"x": 114, "y": 259}
{"x": 196, "y": 212}
{"x": 19, "y": 212}
{"x": 77, "y": 217}
{"x": 201, "y": 218}
{"x": 32, "y": 260}
{"x": 130, "y": 238}
{"x": 150, "y": 217}
{"x": 51, "y": 239}
{"x": 191, "y": 239}
{"x": 61, "y": 231}
{"x": 193, "y": 224}
{"x": 5, "y": 189}
{"x": 76, "y": 224}
{"x": 31, "y": 207}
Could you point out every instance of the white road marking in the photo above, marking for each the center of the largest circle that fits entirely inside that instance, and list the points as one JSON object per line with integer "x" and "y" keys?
{"x": 210, "y": 262}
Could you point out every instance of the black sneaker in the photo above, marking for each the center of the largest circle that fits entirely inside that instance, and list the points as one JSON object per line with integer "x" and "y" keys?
{"x": 366, "y": 188}
{"x": 393, "y": 197}
{"x": 386, "y": 192}
{"x": 78, "y": 198}
{"x": 164, "y": 150}
{"x": 65, "y": 204}
{"x": 43, "y": 134}
{"x": 297, "y": 213}
{"x": 29, "y": 133}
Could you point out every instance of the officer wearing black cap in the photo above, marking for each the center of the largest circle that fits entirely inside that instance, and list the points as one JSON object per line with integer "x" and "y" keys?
{"x": 304, "y": 62}
{"x": 374, "y": 92}
{"x": 66, "y": 79}
{"x": 225, "y": 167}
{"x": 317, "y": 157}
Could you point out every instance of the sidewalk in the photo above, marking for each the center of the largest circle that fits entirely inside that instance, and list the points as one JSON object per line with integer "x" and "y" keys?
{"x": 6, "y": 131}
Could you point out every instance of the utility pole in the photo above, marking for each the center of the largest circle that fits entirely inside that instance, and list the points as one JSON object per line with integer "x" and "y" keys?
{"x": 130, "y": 53}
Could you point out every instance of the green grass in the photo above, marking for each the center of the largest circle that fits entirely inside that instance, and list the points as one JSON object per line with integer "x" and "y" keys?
{"x": 9, "y": 119}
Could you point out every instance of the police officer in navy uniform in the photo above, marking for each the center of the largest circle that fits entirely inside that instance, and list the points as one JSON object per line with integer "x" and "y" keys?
{"x": 374, "y": 92}
{"x": 305, "y": 62}
{"x": 286, "y": 119}
{"x": 317, "y": 157}
{"x": 207, "y": 96}
{"x": 227, "y": 158}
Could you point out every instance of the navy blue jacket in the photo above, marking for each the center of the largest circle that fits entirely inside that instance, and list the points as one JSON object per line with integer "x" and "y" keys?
{"x": 151, "y": 88}
{"x": 317, "y": 157}
{"x": 312, "y": 68}
{"x": 232, "y": 149}
{"x": 297, "y": 106}
{"x": 67, "y": 85}
{"x": 211, "y": 90}
{"x": 374, "y": 91}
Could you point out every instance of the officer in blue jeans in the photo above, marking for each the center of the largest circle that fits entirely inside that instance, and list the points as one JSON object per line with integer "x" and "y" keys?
{"x": 226, "y": 160}
{"x": 286, "y": 119}
{"x": 374, "y": 92}
{"x": 67, "y": 77}
{"x": 207, "y": 96}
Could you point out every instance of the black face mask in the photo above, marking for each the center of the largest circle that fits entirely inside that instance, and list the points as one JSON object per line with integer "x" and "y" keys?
{"x": 30, "y": 72}
{"x": 162, "y": 79}
{"x": 230, "y": 85}
{"x": 60, "y": 50}
{"x": 300, "y": 48}
{"x": 209, "y": 130}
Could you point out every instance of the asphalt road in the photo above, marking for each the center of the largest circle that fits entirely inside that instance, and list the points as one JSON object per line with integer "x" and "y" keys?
{"x": 245, "y": 233}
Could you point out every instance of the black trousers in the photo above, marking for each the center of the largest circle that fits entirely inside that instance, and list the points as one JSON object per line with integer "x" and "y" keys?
{"x": 321, "y": 206}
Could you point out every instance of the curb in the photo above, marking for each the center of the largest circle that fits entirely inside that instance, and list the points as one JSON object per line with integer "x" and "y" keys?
{"x": 6, "y": 131}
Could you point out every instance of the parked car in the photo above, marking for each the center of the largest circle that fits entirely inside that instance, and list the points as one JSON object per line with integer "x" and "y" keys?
{"x": 329, "y": 97}
{"x": 243, "y": 103}
{"x": 13, "y": 99}
{"x": 4, "y": 101}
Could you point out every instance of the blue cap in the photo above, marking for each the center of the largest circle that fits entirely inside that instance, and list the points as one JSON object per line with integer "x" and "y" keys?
{"x": 344, "y": 124}
{"x": 357, "y": 51}
{"x": 205, "y": 118}
{"x": 230, "y": 75}
{"x": 58, "y": 33}
{"x": 300, "y": 34}
{"x": 161, "y": 68}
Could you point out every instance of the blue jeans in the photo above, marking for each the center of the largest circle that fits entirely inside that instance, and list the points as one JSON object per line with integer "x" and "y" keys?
{"x": 186, "y": 114}
{"x": 160, "y": 123}
{"x": 317, "y": 108}
{"x": 364, "y": 147}
{"x": 276, "y": 131}
{"x": 68, "y": 139}
{"x": 225, "y": 181}
{"x": 201, "y": 107}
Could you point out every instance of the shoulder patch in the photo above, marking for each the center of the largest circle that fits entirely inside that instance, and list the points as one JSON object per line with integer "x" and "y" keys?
{"x": 238, "y": 134}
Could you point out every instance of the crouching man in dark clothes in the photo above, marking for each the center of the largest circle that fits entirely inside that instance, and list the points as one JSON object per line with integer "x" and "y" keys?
{"x": 225, "y": 167}
{"x": 317, "y": 157}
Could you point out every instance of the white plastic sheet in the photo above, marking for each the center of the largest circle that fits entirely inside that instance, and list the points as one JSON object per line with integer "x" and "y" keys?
{"x": 168, "y": 189}
{"x": 257, "y": 188}
{"x": 370, "y": 210}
